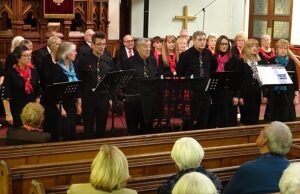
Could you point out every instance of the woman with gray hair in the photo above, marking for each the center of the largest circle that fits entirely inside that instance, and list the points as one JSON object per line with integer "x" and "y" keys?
{"x": 187, "y": 154}
{"x": 262, "y": 175}
{"x": 65, "y": 71}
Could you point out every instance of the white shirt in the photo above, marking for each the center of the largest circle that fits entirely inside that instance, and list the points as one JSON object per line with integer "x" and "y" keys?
{"x": 127, "y": 52}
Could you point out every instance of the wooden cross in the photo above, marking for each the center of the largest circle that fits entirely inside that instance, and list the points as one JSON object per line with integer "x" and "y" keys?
{"x": 185, "y": 17}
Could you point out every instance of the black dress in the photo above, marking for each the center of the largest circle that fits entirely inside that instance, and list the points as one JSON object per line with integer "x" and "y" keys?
{"x": 251, "y": 93}
{"x": 187, "y": 66}
{"x": 236, "y": 53}
{"x": 163, "y": 69}
{"x": 281, "y": 99}
{"x": 54, "y": 122}
{"x": 14, "y": 91}
{"x": 223, "y": 112}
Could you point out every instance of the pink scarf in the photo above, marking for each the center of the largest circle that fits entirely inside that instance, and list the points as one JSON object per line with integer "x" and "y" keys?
{"x": 221, "y": 62}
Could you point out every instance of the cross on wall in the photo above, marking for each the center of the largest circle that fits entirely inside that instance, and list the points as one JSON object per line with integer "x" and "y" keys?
{"x": 185, "y": 17}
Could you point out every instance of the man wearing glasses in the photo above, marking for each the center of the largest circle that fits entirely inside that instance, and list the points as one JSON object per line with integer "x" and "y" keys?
{"x": 95, "y": 105}
{"x": 125, "y": 52}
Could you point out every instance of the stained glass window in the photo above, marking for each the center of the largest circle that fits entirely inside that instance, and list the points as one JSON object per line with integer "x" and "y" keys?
{"x": 281, "y": 29}
{"x": 260, "y": 7}
{"x": 259, "y": 28}
{"x": 282, "y": 7}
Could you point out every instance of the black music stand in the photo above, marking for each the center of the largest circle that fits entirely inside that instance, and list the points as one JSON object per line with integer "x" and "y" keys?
{"x": 112, "y": 82}
{"x": 225, "y": 80}
{"x": 58, "y": 93}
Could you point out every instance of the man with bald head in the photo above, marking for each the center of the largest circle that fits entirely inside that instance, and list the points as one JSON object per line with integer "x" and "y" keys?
{"x": 85, "y": 47}
{"x": 125, "y": 52}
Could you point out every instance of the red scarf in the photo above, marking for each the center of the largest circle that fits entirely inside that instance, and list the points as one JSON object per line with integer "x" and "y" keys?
{"x": 172, "y": 62}
{"x": 26, "y": 75}
{"x": 265, "y": 55}
{"x": 240, "y": 52}
{"x": 212, "y": 51}
{"x": 221, "y": 62}
{"x": 156, "y": 55}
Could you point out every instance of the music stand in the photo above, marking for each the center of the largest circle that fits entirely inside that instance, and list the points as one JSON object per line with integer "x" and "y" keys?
{"x": 58, "y": 93}
{"x": 112, "y": 82}
{"x": 225, "y": 80}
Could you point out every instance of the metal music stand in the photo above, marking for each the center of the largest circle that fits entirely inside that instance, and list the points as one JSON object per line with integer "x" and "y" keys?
{"x": 225, "y": 80}
{"x": 60, "y": 92}
{"x": 112, "y": 82}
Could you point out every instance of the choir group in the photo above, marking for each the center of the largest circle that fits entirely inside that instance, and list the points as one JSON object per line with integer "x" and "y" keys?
{"x": 28, "y": 74}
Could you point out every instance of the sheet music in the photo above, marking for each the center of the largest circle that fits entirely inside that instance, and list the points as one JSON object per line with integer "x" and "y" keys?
{"x": 273, "y": 75}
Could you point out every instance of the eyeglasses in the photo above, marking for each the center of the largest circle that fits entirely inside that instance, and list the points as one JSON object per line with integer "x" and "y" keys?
{"x": 28, "y": 56}
{"x": 129, "y": 41}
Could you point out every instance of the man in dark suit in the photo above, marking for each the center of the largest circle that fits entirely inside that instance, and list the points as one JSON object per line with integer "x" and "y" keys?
{"x": 125, "y": 52}
{"x": 38, "y": 55}
{"x": 95, "y": 105}
{"x": 145, "y": 68}
{"x": 85, "y": 47}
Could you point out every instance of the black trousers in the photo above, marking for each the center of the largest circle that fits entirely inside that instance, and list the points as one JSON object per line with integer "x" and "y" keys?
{"x": 135, "y": 121}
{"x": 94, "y": 114}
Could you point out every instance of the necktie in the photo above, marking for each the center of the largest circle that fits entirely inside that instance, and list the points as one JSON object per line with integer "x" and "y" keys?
{"x": 130, "y": 52}
{"x": 146, "y": 72}
{"x": 98, "y": 69}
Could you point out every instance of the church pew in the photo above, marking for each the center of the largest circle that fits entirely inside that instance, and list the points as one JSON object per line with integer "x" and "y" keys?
{"x": 144, "y": 185}
{"x": 61, "y": 173}
{"x": 76, "y": 150}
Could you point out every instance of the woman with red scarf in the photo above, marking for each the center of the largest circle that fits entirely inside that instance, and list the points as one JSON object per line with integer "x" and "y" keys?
{"x": 266, "y": 53}
{"x": 225, "y": 101}
{"x": 156, "y": 43}
{"x": 21, "y": 85}
{"x": 169, "y": 58}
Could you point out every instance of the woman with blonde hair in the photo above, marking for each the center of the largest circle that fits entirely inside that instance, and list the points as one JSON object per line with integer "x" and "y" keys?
{"x": 109, "y": 174}
{"x": 194, "y": 183}
{"x": 283, "y": 99}
{"x": 250, "y": 92}
{"x": 182, "y": 45}
{"x": 211, "y": 43}
{"x": 239, "y": 41}
{"x": 169, "y": 58}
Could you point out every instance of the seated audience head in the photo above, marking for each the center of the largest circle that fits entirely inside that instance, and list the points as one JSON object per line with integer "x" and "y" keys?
{"x": 33, "y": 115}
{"x": 250, "y": 50}
{"x": 239, "y": 40}
{"x": 128, "y": 41}
{"x": 265, "y": 41}
{"x": 282, "y": 47}
{"x": 53, "y": 43}
{"x": 199, "y": 39}
{"x": 275, "y": 138}
{"x": 88, "y": 35}
{"x": 22, "y": 55}
{"x": 223, "y": 46}
{"x": 28, "y": 44}
{"x": 182, "y": 44}
{"x": 66, "y": 52}
{"x": 184, "y": 33}
{"x": 211, "y": 42}
{"x": 194, "y": 183}
{"x": 143, "y": 47}
{"x": 109, "y": 169}
{"x": 187, "y": 153}
{"x": 156, "y": 43}
{"x": 15, "y": 42}
{"x": 99, "y": 43}
{"x": 290, "y": 180}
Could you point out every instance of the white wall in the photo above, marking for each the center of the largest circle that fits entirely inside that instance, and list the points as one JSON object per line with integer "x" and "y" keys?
{"x": 114, "y": 18}
{"x": 222, "y": 17}
{"x": 295, "y": 36}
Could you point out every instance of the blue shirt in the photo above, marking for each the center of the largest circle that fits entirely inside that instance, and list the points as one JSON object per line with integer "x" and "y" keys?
{"x": 259, "y": 176}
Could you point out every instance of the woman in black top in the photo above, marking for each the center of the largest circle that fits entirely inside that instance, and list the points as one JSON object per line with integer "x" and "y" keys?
{"x": 64, "y": 71}
{"x": 21, "y": 85}
{"x": 283, "y": 99}
{"x": 250, "y": 92}
{"x": 224, "y": 101}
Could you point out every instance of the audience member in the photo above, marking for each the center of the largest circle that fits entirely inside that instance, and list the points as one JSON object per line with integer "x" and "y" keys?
{"x": 263, "y": 174}
{"x": 109, "y": 174}
{"x": 194, "y": 183}
{"x": 290, "y": 180}
{"x": 187, "y": 154}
